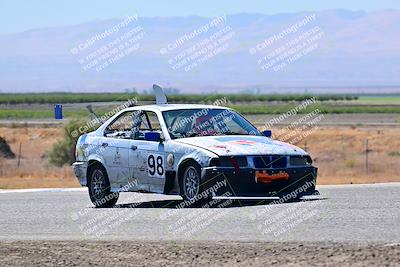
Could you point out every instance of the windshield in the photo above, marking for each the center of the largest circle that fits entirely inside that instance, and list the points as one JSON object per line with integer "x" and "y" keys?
{"x": 206, "y": 122}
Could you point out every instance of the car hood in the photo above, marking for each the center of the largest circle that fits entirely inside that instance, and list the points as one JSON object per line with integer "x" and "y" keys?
{"x": 242, "y": 145}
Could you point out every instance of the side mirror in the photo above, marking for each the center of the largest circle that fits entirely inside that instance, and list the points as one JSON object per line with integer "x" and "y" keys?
{"x": 152, "y": 136}
{"x": 267, "y": 133}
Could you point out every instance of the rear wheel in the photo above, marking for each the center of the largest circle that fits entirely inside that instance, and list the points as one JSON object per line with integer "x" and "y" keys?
{"x": 99, "y": 188}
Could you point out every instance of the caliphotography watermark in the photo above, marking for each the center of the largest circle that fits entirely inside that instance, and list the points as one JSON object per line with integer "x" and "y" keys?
{"x": 277, "y": 218}
{"x": 94, "y": 122}
{"x": 301, "y": 128}
{"x": 97, "y": 224}
{"x": 196, "y": 220}
{"x": 195, "y": 48}
{"x": 208, "y": 121}
{"x": 291, "y": 112}
{"x": 288, "y": 46}
{"x": 304, "y": 120}
{"x": 110, "y": 46}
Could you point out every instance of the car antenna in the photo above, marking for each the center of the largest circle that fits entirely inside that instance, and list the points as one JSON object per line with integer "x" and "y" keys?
{"x": 90, "y": 109}
{"x": 161, "y": 98}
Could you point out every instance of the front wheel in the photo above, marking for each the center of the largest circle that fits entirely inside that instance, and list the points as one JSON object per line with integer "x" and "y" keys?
{"x": 191, "y": 188}
{"x": 99, "y": 188}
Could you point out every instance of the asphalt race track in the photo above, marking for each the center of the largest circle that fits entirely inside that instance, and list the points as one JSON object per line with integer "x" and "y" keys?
{"x": 366, "y": 213}
{"x": 351, "y": 219}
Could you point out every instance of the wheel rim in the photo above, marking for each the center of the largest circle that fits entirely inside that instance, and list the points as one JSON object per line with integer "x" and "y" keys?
{"x": 191, "y": 182}
{"x": 97, "y": 183}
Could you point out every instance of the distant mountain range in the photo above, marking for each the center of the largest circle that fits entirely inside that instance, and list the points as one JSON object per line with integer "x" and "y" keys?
{"x": 356, "y": 52}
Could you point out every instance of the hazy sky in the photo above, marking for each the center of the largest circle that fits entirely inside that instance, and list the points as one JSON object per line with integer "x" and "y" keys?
{"x": 20, "y": 15}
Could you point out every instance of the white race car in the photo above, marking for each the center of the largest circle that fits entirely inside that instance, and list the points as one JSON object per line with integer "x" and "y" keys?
{"x": 196, "y": 151}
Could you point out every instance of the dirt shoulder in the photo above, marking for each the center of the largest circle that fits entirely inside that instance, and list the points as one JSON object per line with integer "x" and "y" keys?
{"x": 50, "y": 253}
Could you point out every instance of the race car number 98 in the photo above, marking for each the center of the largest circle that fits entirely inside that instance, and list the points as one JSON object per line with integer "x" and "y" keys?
{"x": 155, "y": 165}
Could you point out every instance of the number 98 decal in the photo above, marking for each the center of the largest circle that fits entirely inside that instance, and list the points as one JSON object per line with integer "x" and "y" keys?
{"x": 155, "y": 165}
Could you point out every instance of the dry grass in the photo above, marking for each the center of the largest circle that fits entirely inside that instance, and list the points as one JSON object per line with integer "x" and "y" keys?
{"x": 339, "y": 153}
{"x": 34, "y": 170}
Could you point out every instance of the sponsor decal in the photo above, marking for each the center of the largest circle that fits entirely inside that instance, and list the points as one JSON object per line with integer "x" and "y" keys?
{"x": 265, "y": 177}
{"x": 235, "y": 141}
{"x": 220, "y": 147}
{"x": 117, "y": 157}
{"x": 243, "y": 142}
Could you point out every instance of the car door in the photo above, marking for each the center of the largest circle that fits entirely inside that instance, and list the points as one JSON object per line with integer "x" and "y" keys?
{"x": 149, "y": 156}
{"x": 116, "y": 146}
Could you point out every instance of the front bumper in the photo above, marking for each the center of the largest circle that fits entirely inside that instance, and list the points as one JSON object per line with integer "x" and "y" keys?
{"x": 80, "y": 170}
{"x": 229, "y": 181}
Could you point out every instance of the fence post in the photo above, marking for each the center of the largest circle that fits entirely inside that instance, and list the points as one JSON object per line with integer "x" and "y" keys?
{"x": 366, "y": 155}
{"x": 19, "y": 154}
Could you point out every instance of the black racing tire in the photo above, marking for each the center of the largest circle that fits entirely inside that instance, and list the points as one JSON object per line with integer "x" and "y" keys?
{"x": 99, "y": 188}
{"x": 191, "y": 188}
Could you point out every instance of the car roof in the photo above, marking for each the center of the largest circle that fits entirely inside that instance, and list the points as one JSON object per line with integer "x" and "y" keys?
{"x": 167, "y": 107}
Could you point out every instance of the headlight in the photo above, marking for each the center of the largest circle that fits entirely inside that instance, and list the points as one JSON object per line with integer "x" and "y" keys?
{"x": 300, "y": 160}
{"x": 214, "y": 162}
{"x": 229, "y": 161}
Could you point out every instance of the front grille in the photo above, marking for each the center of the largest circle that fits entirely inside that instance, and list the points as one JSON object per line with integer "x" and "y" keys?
{"x": 267, "y": 162}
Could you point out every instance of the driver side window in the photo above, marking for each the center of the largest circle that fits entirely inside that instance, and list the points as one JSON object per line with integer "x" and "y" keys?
{"x": 148, "y": 122}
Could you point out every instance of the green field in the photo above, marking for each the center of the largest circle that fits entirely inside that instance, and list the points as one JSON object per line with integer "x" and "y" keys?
{"x": 39, "y": 114}
{"x": 39, "y": 106}
{"x": 379, "y": 100}
{"x": 53, "y": 98}
{"x": 245, "y": 109}
{"x": 323, "y": 108}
